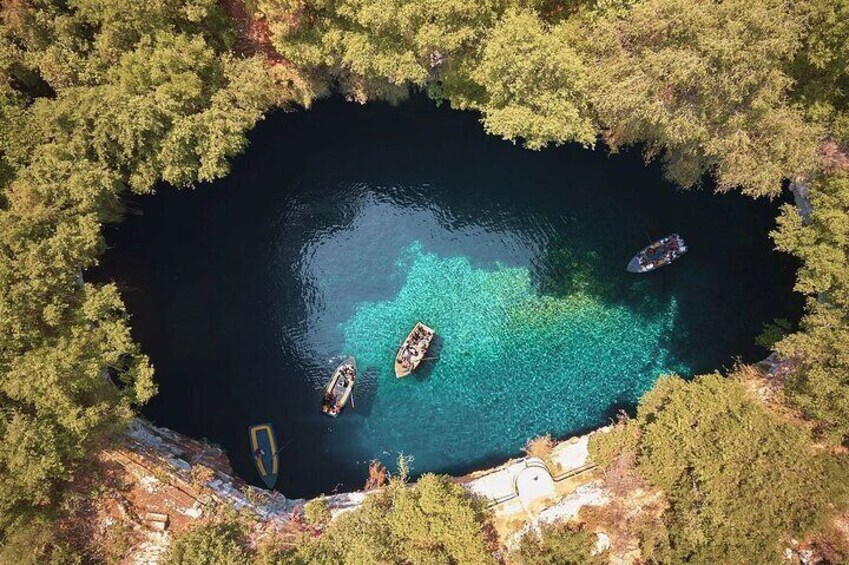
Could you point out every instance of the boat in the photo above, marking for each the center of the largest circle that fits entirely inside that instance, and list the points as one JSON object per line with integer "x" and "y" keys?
{"x": 339, "y": 388}
{"x": 660, "y": 253}
{"x": 264, "y": 451}
{"x": 413, "y": 349}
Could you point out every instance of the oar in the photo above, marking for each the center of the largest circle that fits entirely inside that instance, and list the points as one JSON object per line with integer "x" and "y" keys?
{"x": 430, "y": 358}
{"x": 352, "y": 400}
{"x": 285, "y": 445}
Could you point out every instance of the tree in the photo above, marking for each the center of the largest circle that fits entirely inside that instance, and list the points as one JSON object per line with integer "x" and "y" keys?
{"x": 529, "y": 83}
{"x": 34, "y": 541}
{"x": 821, "y": 67}
{"x": 704, "y": 84}
{"x": 372, "y": 44}
{"x": 739, "y": 479}
{"x": 171, "y": 110}
{"x": 432, "y": 522}
{"x": 317, "y": 512}
{"x": 209, "y": 544}
{"x": 96, "y": 97}
{"x": 558, "y": 544}
{"x": 72, "y": 44}
{"x": 820, "y": 386}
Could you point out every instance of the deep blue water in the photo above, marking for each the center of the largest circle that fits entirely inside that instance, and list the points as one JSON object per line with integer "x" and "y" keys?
{"x": 341, "y": 226}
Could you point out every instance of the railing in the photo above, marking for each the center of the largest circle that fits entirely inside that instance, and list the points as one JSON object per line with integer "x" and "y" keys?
{"x": 561, "y": 477}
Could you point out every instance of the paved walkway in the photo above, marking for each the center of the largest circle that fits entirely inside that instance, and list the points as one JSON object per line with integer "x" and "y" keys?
{"x": 502, "y": 484}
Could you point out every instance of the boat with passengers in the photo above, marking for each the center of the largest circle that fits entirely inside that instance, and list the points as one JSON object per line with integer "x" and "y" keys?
{"x": 413, "y": 349}
{"x": 340, "y": 388}
{"x": 659, "y": 253}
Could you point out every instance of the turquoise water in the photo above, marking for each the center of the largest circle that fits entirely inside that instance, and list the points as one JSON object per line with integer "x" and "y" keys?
{"x": 548, "y": 364}
{"x": 342, "y": 226}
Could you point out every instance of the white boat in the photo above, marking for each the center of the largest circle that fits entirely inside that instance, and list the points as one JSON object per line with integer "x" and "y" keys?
{"x": 660, "y": 253}
{"x": 413, "y": 350}
{"x": 339, "y": 388}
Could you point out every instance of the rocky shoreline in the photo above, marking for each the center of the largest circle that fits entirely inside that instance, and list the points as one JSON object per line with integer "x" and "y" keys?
{"x": 173, "y": 481}
{"x": 170, "y": 482}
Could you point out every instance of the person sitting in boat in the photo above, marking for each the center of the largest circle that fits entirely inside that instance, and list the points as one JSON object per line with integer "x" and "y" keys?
{"x": 259, "y": 453}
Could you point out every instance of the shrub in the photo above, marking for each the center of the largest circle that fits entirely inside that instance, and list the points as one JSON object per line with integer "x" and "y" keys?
{"x": 541, "y": 447}
{"x": 36, "y": 542}
{"x": 738, "y": 477}
{"x": 209, "y": 544}
{"x": 558, "y": 544}
{"x": 820, "y": 387}
{"x": 377, "y": 476}
{"x": 317, "y": 512}
{"x": 606, "y": 447}
{"x": 434, "y": 521}
{"x": 773, "y": 332}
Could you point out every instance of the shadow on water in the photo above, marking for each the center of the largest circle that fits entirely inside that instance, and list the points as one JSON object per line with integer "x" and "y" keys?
{"x": 240, "y": 292}
{"x": 364, "y": 399}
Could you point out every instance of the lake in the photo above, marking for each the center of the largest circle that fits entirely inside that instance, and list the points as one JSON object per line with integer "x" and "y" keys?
{"x": 341, "y": 226}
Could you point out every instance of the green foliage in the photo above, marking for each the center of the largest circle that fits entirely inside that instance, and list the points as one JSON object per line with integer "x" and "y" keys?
{"x": 35, "y": 542}
{"x": 703, "y": 83}
{"x": 76, "y": 43}
{"x": 739, "y": 479}
{"x": 558, "y": 544}
{"x": 209, "y": 544}
{"x": 95, "y": 97}
{"x": 820, "y": 388}
{"x": 171, "y": 109}
{"x": 773, "y": 332}
{"x": 529, "y": 84}
{"x": 271, "y": 555}
{"x": 433, "y": 522}
{"x": 316, "y": 512}
{"x": 606, "y": 447}
{"x": 369, "y": 43}
{"x": 821, "y": 68}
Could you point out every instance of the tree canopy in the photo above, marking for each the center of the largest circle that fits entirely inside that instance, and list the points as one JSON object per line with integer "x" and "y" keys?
{"x": 378, "y": 47}
{"x": 821, "y": 67}
{"x": 209, "y": 544}
{"x": 98, "y": 97}
{"x": 433, "y": 522}
{"x": 529, "y": 83}
{"x": 704, "y": 83}
{"x": 740, "y": 479}
{"x": 820, "y": 386}
{"x": 558, "y": 544}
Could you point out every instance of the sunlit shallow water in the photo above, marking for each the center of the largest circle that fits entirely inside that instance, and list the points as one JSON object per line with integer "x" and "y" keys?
{"x": 510, "y": 362}
{"x": 341, "y": 227}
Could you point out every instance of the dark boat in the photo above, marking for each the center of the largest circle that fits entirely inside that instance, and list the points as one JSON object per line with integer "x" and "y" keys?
{"x": 339, "y": 388}
{"x": 660, "y": 253}
{"x": 413, "y": 350}
{"x": 264, "y": 452}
